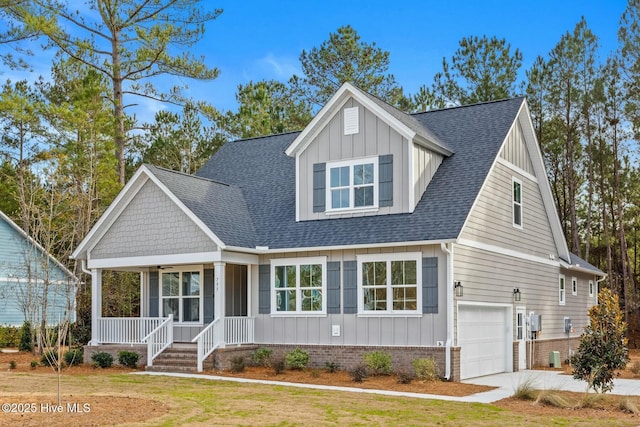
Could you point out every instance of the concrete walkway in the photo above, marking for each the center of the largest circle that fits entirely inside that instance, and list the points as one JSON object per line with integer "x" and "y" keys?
{"x": 506, "y": 384}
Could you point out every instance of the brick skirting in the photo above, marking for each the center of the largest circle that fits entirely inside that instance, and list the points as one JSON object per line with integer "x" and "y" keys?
{"x": 113, "y": 350}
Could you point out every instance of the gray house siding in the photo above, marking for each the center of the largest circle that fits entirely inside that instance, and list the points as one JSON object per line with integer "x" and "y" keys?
{"x": 515, "y": 151}
{"x": 490, "y": 277}
{"x": 425, "y": 165}
{"x": 375, "y": 138}
{"x": 152, "y": 224}
{"x": 490, "y": 220}
{"x": 424, "y": 330}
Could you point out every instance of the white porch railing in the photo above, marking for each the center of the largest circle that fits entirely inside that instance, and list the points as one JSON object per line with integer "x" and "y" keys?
{"x": 159, "y": 339}
{"x": 239, "y": 330}
{"x": 234, "y": 330}
{"x": 126, "y": 330}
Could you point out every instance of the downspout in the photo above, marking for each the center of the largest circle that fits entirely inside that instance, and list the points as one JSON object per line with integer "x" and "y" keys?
{"x": 598, "y": 286}
{"x": 449, "y": 286}
{"x": 83, "y": 267}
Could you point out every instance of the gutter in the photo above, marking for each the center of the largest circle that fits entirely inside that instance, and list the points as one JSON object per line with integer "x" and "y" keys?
{"x": 449, "y": 285}
{"x": 598, "y": 287}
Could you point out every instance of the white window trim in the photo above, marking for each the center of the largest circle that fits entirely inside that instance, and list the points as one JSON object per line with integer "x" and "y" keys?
{"x": 351, "y": 163}
{"x": 591, "y": 287}
{"x": 562, "y": 291}
{"x": 513, "y": 204}
{"x": 183, "y": 269}
{"x": 277, "y": 262}
{"x": 388, "y": 257}
{"x": 574, "y": 286}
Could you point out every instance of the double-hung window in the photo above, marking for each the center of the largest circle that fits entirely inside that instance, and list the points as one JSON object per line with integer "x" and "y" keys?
{"x": 574, "y": 286}
{"x": 353, "y": 184}
{"x": 561, "y": 290}
{"x": 517, "y": 202}
{"x": 591, "y": 288}
{"x": 389, "y": 283}
{"x": 299, "y": 285}
{"x": 181, "y": 295}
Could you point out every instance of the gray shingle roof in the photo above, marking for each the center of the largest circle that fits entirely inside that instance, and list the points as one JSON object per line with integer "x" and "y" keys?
{"x": 266, "y": 176}
{"x": 577, "y": 261}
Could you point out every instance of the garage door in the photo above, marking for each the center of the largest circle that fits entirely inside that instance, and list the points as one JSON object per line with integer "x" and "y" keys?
{"x": 483, "y": 338}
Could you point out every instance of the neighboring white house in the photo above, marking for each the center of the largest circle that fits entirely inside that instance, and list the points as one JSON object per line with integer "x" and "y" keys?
{"x": 433, "y": 234}
{"x": 31, "y": 279}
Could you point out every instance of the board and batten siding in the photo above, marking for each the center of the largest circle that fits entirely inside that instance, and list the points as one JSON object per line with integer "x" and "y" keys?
{"x": 425, "y": 165}
{"x": 491, "y": 277}
{"x": 375, "y": 138}
{"x": 425, "y": 330}
{"x": 515, "y": 151}
{"x": 491, "y": 221}
{"x": 152, "y": 224}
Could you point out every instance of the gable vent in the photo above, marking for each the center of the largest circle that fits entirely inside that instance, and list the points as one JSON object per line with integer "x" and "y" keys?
{"x": 351, "y": 122}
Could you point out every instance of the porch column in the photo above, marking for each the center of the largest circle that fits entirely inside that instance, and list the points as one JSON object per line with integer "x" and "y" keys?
{"x": 96, "y": 304}
{"x": 219, "y": 302}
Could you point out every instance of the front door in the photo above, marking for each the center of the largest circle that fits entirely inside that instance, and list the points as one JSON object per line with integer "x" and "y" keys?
{"x": 521, "y": 337}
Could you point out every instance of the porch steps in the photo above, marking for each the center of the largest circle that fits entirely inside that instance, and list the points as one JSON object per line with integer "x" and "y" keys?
{"x": 179, "y": 358}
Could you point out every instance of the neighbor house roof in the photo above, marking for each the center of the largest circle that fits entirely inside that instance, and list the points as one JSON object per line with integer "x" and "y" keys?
{"x": 265, "y": 175}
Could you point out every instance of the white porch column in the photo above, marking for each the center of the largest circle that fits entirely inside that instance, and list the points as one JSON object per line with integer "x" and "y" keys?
{"x": 96, "y": 304}
{"x": 219, "y": 302}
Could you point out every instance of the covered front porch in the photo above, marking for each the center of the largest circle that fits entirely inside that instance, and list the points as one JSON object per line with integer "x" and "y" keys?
{"x": 205, "y": 304}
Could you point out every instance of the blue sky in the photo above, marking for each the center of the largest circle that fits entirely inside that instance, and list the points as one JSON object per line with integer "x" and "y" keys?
{"x": 255, "y": 40}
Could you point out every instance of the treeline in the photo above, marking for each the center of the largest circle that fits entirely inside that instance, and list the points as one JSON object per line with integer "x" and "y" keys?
{"x": 70, "y": 142}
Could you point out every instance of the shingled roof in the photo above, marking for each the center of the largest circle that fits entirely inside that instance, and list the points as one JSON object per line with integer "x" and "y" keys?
{"x": 265, "y": 175}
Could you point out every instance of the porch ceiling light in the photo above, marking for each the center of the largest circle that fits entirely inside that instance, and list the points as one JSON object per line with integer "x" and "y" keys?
{"x": 457, "y": 286}
{"x": 517, "y": 296}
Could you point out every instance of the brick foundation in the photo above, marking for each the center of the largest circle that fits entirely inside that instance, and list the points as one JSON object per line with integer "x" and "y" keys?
{"x": 348, "y": 357}
{"x": 541, "y": 349}
{"x": 113, "y": 350}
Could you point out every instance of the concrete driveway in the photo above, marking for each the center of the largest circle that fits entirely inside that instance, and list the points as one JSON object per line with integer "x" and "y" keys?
{"x": 507, "y": 384}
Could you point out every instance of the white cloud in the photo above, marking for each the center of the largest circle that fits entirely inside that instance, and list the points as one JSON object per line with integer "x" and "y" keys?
{"x": 278, "y": 68}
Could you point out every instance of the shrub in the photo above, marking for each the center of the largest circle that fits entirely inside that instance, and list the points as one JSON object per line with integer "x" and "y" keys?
{"x": 358, "y": 374}
{"x": 525, "y": 390}
{"x": 34, "y": 364}
{"x": 426, "y": 369}
{"x": 9, "y": 336}
{"x": 603, "y": 344}
{"x": 278, "y": 367}
{"x": 49, "y": 358}
{"x": 128, "y": 359}
{"x": 12, "y": 365}
{"x": 627, "y": 405}
{"x": 332, "y": 366}
{"x": 553, "y": 398}
{"x": 237, "y": 364}
{"x": 297, "y": 359}
{"x": 26, "y": 337}
{"x": 262, "y": 357}
{"x": 73, "y": 357}
{"x": 102, "y": 359}
{"x": 378, "y": 362}
{"x": 405, "y": 377}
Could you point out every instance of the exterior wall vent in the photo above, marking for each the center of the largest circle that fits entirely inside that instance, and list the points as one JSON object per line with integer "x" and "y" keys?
{"x": 351, "y": 122}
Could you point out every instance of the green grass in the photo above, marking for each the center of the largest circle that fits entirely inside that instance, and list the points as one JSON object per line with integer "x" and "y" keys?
{"x": 203, "y": 402}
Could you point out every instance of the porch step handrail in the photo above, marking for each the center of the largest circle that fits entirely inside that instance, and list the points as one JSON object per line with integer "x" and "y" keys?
{"x": 159, "y": 339}
{"x": 209, "y": 339}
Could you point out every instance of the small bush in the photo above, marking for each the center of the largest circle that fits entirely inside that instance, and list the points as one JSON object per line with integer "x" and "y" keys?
{"x": 26, "y": 337}
{"x": 9, "y": 336}
{"x": 525, "y": 390}
{"x": 34, "y": 364}
{"x": 358, "y": 374}
{"x": 128, "y": 359}
{"x": 405, "y": 377}
{"x": 590, "y": 400}
{"x": 237, "y": 364}
{"x": 332, "y": 367}
{"x": 426, "y": 369}
{"x": 102, "y": 359}
{"x": 12, "y": 365}
{"x": 73, "y": 357}
{"x": 378, "y": 362}
{"x": 553, "y": 398}
{"x": 278, "y": 367}
{"x": 262, "y": 357}
{"x": 297, "y": 359}
{"x": 627, "y": 405}
{"x": 49, "y": 358}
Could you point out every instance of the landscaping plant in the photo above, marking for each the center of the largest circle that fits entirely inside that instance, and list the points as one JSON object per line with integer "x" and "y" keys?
{"x": 128, "y": 359}
{"x": 297, "y": 359}
{"x": 102, "y": 359}
{"x": 378, "y": 362}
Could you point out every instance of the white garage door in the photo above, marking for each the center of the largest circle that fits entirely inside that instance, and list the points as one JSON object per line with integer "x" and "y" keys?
{"x": 483, "y": 338}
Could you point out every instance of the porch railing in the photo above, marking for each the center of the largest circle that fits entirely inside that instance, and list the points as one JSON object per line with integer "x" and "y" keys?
{"x": 159, "y": 339}
{"x": 210, "y": 338}
{"x": 239, "y": 330}
{"x": 126, "y": 330}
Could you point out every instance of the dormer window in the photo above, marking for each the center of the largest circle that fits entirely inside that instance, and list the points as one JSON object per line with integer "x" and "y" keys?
{"x": 352, "y": 184}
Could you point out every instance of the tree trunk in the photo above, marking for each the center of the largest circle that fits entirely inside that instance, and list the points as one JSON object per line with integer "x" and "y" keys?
{"x": 118, "y": 107}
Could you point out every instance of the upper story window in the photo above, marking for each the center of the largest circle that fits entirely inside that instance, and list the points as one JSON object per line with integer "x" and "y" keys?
{"x": 299, "y": 285}
{"x": 353, "y": 184}
{"x": 389, "y": 283}
{"x": 517, "y": 202}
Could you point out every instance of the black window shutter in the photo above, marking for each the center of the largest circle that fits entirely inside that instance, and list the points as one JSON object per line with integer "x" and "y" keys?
{"x": 350, "y": 295}
{"x": 319, "y": 187}
{"x": 264, "y": 289}
{"x": 154, "y": 293}
{"x": 430, "y": 285}
{"x": 385, "y": 180}
{"x": 208, "y": 295}
{"x": 333, "y": 287}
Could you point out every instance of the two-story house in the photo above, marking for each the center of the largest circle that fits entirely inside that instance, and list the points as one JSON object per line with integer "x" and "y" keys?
{"x": 433, "y": 234}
